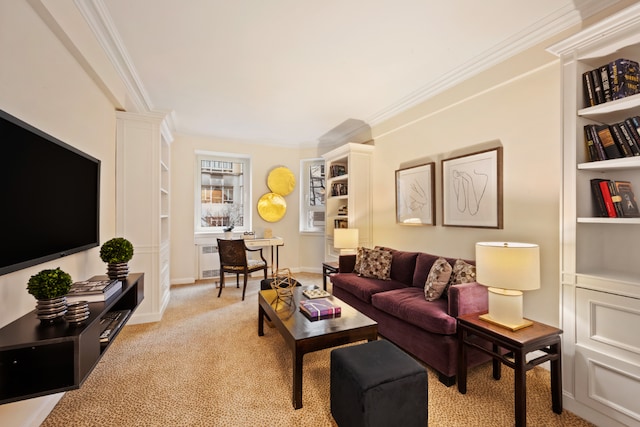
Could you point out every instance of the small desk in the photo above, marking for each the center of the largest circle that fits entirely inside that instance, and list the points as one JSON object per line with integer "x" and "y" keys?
{"x": 272, "y": 242}
{"x": 328, "y": 268}
{"x": 539, "y": 337}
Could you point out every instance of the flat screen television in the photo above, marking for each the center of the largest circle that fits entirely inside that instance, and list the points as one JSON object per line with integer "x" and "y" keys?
{"x": 49, "y": 197}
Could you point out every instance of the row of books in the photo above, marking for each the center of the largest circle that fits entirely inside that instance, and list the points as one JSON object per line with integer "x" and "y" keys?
{"x": 340, "y": 223}
{"x": 93, "y": 290}
{"x": 339, "y": 189}
{"x": 613, "y": 141}
{"x": 337, "y": 170}
{"x": 319, "y": 308}
{"x": 611, "y": 81}
{"x": 613, "y": 199}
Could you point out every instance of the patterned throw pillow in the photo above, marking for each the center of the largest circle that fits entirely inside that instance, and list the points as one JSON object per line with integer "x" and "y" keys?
{"x": 358, "y": 264}
{"x": 463, "y": 272}
{"x": 376, "y": 264}
{"x": 437, "y": 280}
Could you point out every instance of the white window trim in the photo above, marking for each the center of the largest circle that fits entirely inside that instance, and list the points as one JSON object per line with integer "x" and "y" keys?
{"x": 248, "y": 223}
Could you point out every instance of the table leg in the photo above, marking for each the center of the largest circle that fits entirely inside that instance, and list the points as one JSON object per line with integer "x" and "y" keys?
{"x": 260, "y": 321}
{"x": 497, "y": 364}
{"x": 520, "y": 389}
{"x": 462, "y": 361}
{"x": 556, "y": 379}
{"x": 324, "y": 278}
{"x": 297, "y": 379}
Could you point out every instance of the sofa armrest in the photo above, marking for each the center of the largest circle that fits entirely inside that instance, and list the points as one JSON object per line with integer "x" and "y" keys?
{"x": 346, "y": 263}
{"x": 468, "y": 298}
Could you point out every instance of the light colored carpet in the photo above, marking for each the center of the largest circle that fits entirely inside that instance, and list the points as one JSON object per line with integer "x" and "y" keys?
{"x": 205, "y": 365}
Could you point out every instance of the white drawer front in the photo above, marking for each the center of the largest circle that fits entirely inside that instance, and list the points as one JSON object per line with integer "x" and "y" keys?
{"x": 608, "y": 385}
{"x": 609, "y": 323}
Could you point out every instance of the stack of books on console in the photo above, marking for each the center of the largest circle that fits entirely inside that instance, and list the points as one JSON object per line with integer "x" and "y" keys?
{"x": 93, "y": 290}
{"x": 318, "y": 309}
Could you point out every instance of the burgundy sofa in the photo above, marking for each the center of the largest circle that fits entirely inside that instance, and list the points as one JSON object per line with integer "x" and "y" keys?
{"x": 425, "y": 329}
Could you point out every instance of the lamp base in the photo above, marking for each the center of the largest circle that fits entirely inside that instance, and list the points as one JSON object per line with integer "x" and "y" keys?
{"x": 511, "y": 326}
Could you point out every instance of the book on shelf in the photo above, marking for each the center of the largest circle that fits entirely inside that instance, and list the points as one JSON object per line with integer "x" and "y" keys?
{"x": 589, "y": 92}
{"x": 615, "y": 198}
{"x": 592, "y": 151}
{"x": 599, "y": 207}
{"x": 628, "y": 201}
{"x": 615, "y": 80}
{"x": 633, "y": 133}
{"x": 93, "y": 290}
{"x": 606, "y": 196}
{"x": 597, "y": 86}
{"x": 608, "y": 143}
{"x": 606, "y": 86}
{"x": 111, "y": 323}
{"x": 337, "y": 170}
{"x": 623, "y": 78}
{"x": 320, "y": 308}
{"x": 621, "y": 140}
{"x": 627, "y": 134}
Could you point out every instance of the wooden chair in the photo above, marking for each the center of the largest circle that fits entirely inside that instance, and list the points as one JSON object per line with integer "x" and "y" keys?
{"x": 233, "y": 259}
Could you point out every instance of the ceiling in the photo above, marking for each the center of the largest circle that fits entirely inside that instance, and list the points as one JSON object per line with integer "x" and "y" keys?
{"x": 287, "y": 72}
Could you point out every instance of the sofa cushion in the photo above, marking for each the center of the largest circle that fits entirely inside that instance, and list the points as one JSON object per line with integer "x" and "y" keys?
{"x": 375, "y": 263}
{"x": 361, "y": 287}
{"x": 408, "y": 304}
{"x": 424, "y": 262}
{"x": 438, "y": 279}
{"x": 403, "y": 265}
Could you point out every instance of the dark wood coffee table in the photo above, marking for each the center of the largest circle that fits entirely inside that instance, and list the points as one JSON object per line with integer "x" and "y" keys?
{"x": 305, "y": 336}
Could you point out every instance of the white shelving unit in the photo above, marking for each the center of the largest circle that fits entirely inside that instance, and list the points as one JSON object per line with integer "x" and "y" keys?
{"x": 600, "y": 292}
{"x": 348, "y": 194}
{"x": 143, "y": 203}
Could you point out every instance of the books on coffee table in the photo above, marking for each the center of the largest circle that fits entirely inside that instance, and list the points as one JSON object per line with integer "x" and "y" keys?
{"x": 315, "y": 293}
{"x": 319, "y": 308}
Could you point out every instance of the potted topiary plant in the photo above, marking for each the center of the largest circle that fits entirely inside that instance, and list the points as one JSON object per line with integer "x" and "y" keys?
{"x": 50, "y": 287}
{"x": 117, "y": 253}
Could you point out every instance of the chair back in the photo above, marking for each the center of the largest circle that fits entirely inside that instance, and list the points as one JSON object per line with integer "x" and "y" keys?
{"x": 232, "y": 252}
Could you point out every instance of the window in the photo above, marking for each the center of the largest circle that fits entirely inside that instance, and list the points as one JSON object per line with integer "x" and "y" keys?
{"x": 312, "y": 195}
{"x": 222, "y": 198}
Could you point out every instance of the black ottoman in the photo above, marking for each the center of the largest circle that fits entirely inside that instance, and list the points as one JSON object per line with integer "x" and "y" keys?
{"x": 377, "y": 384}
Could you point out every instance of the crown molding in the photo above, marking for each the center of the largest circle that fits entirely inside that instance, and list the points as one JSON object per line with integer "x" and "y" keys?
{"x": 561, "y": 20}
{"x": 101, "y": 24}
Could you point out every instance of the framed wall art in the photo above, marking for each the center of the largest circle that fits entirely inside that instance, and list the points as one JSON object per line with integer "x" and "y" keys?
{"x": 415, "y": 195}
{"x": 472, "y": 190}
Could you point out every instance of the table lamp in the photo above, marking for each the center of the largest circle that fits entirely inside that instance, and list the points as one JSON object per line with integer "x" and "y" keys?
{"x": 345, "y": 239}
{"x": 507, "y": 268}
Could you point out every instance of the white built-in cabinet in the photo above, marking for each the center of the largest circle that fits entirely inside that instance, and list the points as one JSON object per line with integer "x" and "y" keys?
{"x": 143, "y": 165}
{"x": 600, "y": 282}
{"x": 348, "y": 193}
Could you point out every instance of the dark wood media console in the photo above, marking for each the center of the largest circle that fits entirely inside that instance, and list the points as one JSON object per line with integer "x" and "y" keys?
{"x": 38, "y": 359}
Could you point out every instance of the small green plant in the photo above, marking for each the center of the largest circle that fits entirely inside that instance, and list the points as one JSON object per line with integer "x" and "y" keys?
{"x": 51, "y": 283}
{"x": 116, "y": 250}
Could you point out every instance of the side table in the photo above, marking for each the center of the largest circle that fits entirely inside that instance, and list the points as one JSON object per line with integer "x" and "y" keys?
{"x": 328, "y": 268}
{"x": 538, "y": 337}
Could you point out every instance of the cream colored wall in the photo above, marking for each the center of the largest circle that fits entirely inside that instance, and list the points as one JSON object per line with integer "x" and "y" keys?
{"x": 44, "y": 86}
{"x": 263, "y": 160}
{"x": 522, "y": 116}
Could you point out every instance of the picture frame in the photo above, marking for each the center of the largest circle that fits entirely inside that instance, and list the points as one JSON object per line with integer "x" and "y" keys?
{"x": 472, "y": 190}
{"x": 415, "y": 195}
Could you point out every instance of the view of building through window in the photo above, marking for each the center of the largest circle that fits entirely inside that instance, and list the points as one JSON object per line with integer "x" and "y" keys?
{"x": 222, "y": 192}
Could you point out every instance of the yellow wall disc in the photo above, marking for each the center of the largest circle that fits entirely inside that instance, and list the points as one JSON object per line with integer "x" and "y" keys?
{"x": 281, "y": 181}
{"x": 272, "y": 207}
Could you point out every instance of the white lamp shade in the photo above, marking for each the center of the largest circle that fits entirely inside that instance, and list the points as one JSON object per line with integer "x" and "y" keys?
{"x": 345, "y": 238}
{"x": 508, "y": 265}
